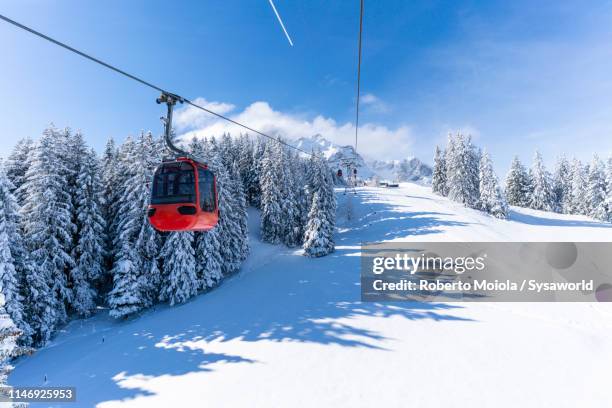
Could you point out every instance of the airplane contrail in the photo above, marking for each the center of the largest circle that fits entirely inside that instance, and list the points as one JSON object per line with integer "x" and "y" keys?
{"x": 281, "y": 22}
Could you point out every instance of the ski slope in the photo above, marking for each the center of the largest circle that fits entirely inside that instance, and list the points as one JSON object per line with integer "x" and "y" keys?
{"x": 291, "y": 332}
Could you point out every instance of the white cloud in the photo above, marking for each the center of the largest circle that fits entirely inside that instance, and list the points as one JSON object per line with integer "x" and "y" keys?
{"x": 189, "y": 118}
{"x": 374, "y": 103}
{"x": 375, "y": 141}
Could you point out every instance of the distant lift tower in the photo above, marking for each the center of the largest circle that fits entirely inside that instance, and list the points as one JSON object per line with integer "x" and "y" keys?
{"x": 351, "y": 174}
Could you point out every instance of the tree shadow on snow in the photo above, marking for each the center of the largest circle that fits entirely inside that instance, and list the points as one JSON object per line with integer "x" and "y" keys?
{"x": 289, "y": 299}
{"x": 375, "y": 221}
{"x": 554, "y": 222}
{"x": 95, "y": 355}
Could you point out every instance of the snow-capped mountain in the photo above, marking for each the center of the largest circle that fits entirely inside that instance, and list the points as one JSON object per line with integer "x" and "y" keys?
{"x": 410, "y": 169}
{"x": 335, "y": 154}
{"x": 317, "y": 143}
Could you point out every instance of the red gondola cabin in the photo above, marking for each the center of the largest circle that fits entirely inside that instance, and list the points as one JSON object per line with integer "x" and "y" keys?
{"x": 183, "y": 197}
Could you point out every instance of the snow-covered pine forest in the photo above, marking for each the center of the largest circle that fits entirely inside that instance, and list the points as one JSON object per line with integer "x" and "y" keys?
{"x": 464, "y": 173}
{"x": 74, "y": 234}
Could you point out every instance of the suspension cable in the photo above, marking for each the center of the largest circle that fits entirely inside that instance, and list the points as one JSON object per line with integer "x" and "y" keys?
{"x": 143, "y": 82}
{"x": 358, "y": 75}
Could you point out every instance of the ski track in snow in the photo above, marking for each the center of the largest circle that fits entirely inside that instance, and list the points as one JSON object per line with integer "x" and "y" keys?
{"x": 288, "y": 331}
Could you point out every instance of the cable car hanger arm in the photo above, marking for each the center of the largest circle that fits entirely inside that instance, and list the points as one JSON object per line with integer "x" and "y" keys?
{"x": 170, "y": 100}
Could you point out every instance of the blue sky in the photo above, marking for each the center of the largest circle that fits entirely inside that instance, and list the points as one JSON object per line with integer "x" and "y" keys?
{"x": 517, "y": 75}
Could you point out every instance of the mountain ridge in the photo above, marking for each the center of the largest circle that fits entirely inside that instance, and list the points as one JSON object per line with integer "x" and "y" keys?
{"x": 408, "y": 169}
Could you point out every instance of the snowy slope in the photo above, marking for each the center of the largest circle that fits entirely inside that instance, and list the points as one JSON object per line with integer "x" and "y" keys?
{"x": 291, "y": 332}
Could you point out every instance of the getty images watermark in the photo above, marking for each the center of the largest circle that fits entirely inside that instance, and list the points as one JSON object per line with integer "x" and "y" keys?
{"x": 487, "y": 271}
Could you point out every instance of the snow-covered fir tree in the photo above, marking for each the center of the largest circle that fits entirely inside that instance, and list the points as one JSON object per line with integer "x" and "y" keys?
{"x": 149, "y": 242}
{"x": 110, "y": 191}
{"x": 16, "y": 166}
{"x": 12, "y": 259}
{"x": 492, "y": 199}
{"x": 221, "y": 251}
{"x": 9, "y": 348}
{"x": 246, "y": 168}
{"x": 136, "y": 274}
{"x": 577, "y": 204}
{"x": 253, "y": 181}
{"x": 208, "y": 259}
{"x": 292, "y": 219}
{"x": 125, "y": 296}
{"x": 301, "y": 171}
{"x": 517, "y": 184}
{"x": 90, "y": 236}
{"x": 230, "y": 233}
{"x": 196, "y": 147}
{"x": 207, "y": 249}
{"x": 463, "y": 183}
{"x": 609, "y": 189}
{"x": 449, "y": 154}
{"x": 227, "y": 151}
{"x": 438, "y": 179}
{"x": 319, "y": 234}
{"x": 542, "y": 195}
{"x": 207, "y": 246}
{"x": 179, "y": 280}
{"x": 310, "y": 174}
{"x": 75, "y": 153}
{"x": 48, "y": 228}
{"x": 562, "y": 185}
{"x": 241, "y": 214}
{"x": 596, "y": 202}
{"x": 272, "y": 224}
{"x": 71, "y": 151}
{"x": 116, "y": 173}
